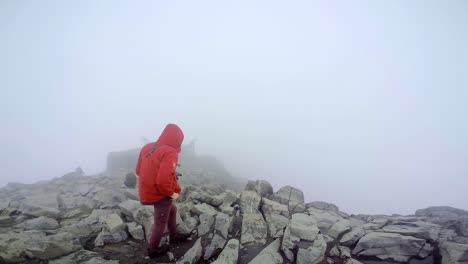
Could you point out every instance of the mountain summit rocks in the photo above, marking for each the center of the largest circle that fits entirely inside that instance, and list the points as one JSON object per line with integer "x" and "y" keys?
{"x": 80, "y": 219}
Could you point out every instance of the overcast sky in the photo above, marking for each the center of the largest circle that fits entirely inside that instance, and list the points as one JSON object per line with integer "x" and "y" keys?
{"x": 359, "y": 103}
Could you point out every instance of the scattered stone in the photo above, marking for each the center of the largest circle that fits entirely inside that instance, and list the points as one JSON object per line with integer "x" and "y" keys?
{"x": 206, "y": 222}
{"x": 130, "y": 180}
{"x": 230, "y": 254}
{"x": 339, "y": 228}
{"x": 270, "y": 254}
{"x": 80, "y": 256}
{"x": 204, "y": 208}
{"x": 217, "y": 243}
{"x": 40, "y": 223}
{"x": 454, "y": 253}
{"x": 136, "y": 231}
{"x": 223, "y": 224}
{"x": 193, "y": 255}
{"x": 263, "y": 188}
{"x": 254, "y": 229}
{"x": 389, "y": 246}
{"x": 249, "y": 202}
{"x": 290, "y": 196}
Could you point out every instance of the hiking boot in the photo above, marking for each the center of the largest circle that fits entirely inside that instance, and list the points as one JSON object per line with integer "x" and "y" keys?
{"x": 158, "y": 252}
{"x": 178, "y": 238}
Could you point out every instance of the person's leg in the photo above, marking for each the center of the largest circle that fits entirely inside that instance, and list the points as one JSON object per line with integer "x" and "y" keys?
{"x": 172, "y": 224}
{"x": 161, "y": 216}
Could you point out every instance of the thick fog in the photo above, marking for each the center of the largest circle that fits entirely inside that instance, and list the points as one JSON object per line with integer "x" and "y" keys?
{"x": 360, "y": 103}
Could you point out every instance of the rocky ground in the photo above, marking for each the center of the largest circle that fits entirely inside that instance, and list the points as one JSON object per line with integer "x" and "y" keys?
{"x": 79, "y": 219}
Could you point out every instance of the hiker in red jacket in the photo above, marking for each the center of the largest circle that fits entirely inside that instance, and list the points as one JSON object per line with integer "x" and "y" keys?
{"x": 158, "y": 186}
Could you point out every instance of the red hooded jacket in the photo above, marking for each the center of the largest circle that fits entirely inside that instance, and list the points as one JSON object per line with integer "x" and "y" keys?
{"x": 157, "y": 170}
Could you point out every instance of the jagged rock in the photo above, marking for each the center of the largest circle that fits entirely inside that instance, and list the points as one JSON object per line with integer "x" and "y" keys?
{"x": 200, "y": 209}
{"x": 418, "y": 229}
{"x": 229, "y": 210}
{"x": 193, "y": 255}
{"x": 314, "y": 253}
{"x": 389, "y": 246}
{"x": 270, "y": 254}
{"x": 6, "y": 221}
{"x": 136, "y": 231}
{"x": 351, "y": 238}
{"x": 290, "y": 196}
{"x": 213, "y": 189}
{"x": 339, "y": 228}
{"x": 263, "y": 188}
{"x": 83, "y": 229}
{"x": 352, "y": 261}
{"x": 250, "y": 186}
{"x": 301, "y": 228}
{"x": 33, "y": 244}
{"x": 113, "y": 223}
{"x": 209, "y": 199}
{"x": 80, "y": 256}
{"x": 447, "y": 217}
{"x": 70, "y": 202}
{"x": 206, "y": 223}
{"x": 276, "y": 215}
{"x": 230, "y": 254}
{"x": 250, "y": 202}
{"x": 40, "y": 223}
{"x": 130, "y": 180}
{"x": 304, "y": 227}
{"x": 325, "y": 219}
{"x": 322, "y": 206}
{"x": 41, "y": 205}
{"x": 106, "y": 237}
{"x": 114, "y": 230}
{"x": 99, "y": 215}
{"x": 375, "y": 224}
{"x": 229, "y": 199}
{"x": 340, "y": 251}
{"x": 216, "y": 243}
{"x": 223, "y": 224}
{"x": 109, "y": 198}
{"x": 254, "y": 229}
{"x": 182, "y": 228}
{"x": 454, "y": 253}
{"x": 98, "y": 260}
{"x": 140, "y": 214}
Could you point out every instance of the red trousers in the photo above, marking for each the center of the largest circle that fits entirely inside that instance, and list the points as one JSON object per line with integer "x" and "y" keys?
{"x": 164, "y": 214}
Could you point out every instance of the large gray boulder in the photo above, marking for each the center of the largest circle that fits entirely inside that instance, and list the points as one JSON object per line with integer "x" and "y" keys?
{"x": 313, "y": 254}
{"x": 230, "y": 253}
{"x": 33, "y": 244}
{"x": 325, "y": 219}
{"x": 454, "y": 253}
{"x": 417, "y": 229}
{"x": 447, "y": 217}
{"x": 276, "y": 215}
{"x": 40, "y": 223}
{"x": 388, "y": 246}
{"x": 254, "y": 229}
{"x": 216, "y": 243}
{"x": 223, "y": 224}
{"x": 80, "y": 256}
{"x": 270, "y": 254}
{"x": 263, "y": 188}
{"x": 41, "y": 205}
{"x": 291, "y": 197}
{"x": 250, "y": 202}
{"x": 193, "y": 254}
{"x": 206, "y": 224}
{"x": 301, "y": 233}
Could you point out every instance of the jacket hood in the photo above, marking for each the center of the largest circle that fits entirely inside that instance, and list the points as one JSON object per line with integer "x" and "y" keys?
{"x": 171, "y": 136}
